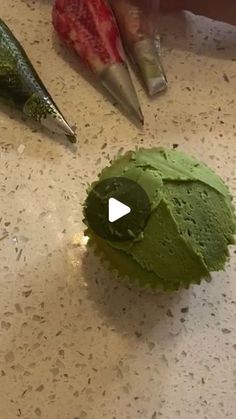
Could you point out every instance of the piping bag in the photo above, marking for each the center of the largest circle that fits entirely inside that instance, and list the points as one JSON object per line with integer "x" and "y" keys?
{"x": 21, "y": 85}
{"x": 89, "y": 28}
{"x": 138, "y": 24}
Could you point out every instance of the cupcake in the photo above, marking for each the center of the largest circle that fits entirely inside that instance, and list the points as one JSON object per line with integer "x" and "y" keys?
{"x": 185, "y": 234}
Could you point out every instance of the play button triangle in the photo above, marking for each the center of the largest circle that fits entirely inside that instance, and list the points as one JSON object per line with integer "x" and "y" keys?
{"x": 117, "y": 210}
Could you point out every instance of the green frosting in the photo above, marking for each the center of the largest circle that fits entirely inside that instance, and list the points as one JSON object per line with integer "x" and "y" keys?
{"x": 20, "y": 84}
{"x": 191, "y": 224}
{"x": 38, "y": 108}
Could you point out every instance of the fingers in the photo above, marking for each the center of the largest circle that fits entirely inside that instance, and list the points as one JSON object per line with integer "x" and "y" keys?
{"x": 220, "y": 10}
{"x": 224, "y": 11}
{"x": 172, "y": 5}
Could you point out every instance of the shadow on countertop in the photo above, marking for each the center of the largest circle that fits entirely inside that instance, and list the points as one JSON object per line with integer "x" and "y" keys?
{"x": 68, "y": 325}
{"x": 131, "y": 311}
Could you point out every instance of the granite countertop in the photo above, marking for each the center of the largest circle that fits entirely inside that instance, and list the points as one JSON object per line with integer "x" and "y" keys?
{"x": 74, "y": 342}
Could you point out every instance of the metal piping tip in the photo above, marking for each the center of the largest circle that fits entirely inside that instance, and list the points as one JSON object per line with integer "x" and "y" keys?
{"x": 116, "y": 79}
{"x": 43, "y": 110}
{"x": 146, "y": 55}
{"x": 56, "y": 123}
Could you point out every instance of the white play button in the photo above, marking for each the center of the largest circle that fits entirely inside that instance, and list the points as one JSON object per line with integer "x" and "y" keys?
{"x": 117, "y": 210}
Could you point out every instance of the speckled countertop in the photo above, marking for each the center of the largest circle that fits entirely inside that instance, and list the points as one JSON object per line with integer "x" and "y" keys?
{"x": 74, "y": 343}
